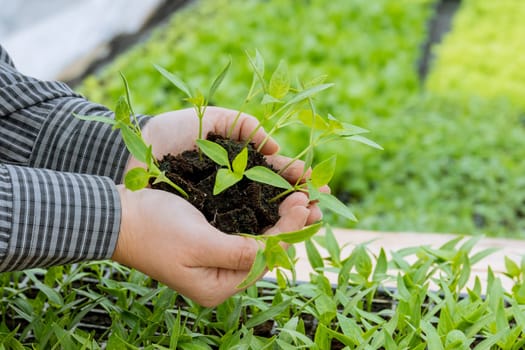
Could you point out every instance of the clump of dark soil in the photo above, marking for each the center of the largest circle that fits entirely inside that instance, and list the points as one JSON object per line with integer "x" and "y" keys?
{"x": 245, "y": 207}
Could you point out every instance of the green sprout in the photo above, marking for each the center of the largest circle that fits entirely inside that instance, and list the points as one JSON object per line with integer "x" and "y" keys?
{"x": 127, "y": 123}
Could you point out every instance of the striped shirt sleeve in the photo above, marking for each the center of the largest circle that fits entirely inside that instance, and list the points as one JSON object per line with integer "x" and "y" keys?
{"x": 50, "y": 218}
{"x": 58, "y": 200}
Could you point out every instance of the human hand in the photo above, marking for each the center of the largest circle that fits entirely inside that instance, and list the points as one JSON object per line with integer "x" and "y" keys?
{"x": 176, "y": 131}
{"x": 168, "y": 239}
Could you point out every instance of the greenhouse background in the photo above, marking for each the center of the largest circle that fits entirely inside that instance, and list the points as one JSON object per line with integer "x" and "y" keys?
{"x": 449, "y": 112}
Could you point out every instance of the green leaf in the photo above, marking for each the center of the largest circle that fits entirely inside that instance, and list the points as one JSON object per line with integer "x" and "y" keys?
{"x": 311, "y": 120}
{"x": 267, "y": 99}
{"x": 175, "y": 80}
{"x": 303, "y": 95}
{"x": 214, "y": 151}
{"x": 279, "y": 82}
{"x": 433, "y": 339}
{"x": 128, "y": 94}
{"x": 314, "y": 257}
{"x": 323, "y": 172}
{"x": 300, "y": 235}
{"x": 257, "y": 64}
{"x": 240, "y": 161}
{"x": 327, "y": 308}
{"x": 331, "y": 202}
{"x": 276, "y": 256}
{"x": 225, "y": 179}
{"x": 122, "y": 111}
{"x": 267, "y": 176}
{"x": 97, "y": 118}
{"x": 348, "y": 129}
{"x": 217, "y": 82}
{"x": 381, "y": 267}
{"x": 136, "y": 179}
{"x": 364, "y": 140}
{"x": 363, "y": 263}
{"x": 332, "y": 246}
{"x": 258, "y": 267}
{"x": 268, "y": 314}
{"x": 134, "y": 143}
{"x": 512, "y": 268}
{"x": 64, "y": 337}
{"x": 52, "y": 295}
{"x": 198, "y": 100}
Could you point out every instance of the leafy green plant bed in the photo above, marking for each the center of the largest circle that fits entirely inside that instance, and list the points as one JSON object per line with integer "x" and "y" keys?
{"x": 477, "y": 58}
{"x": 416, "y": 299}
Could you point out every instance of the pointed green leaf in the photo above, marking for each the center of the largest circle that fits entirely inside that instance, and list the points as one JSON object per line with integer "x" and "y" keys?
{"x": 279, "y": 82}
{"x": 323, "y": 172}
{"x": 347, "y": 129}
{"x": 239, "y": 162}
{"x": 267, "y": 99}
{"x": 381, "y": 267}
{"x": 313, "y": 192}
{"x": 433, "y": 339}
{"x": 364, "y": 140}
{"x": 300, "y": 235}
{"x": 128, "y": 94}
{"x": 96, "y": 118}
{"x": 257, "y": 64}
{"x": 122, "y": 111}
{"x": 225, "y": 179}
{"x": 197, "y": 100}
{"x": 331, "y": 202}
{"x": 311, "y": 120}
{"x": 269, "y": 314}
{"x": 217, "y": 82}
{"x": 134, "y": 143}
{"x": 363, "y": 263}
{"x": 512, "y": 268}
{"x": 214, "y": 151}
{"x": 258, "y": 267}
{"x": 332, "y": 246}
{"x": 136, "y": 179}
{"x": 175, "y": 80}
{"x": 276, "y": 256}
{"x": 303, "y": 95}
{"x": 267, "y": 176}
{"x": 314, "y": 257}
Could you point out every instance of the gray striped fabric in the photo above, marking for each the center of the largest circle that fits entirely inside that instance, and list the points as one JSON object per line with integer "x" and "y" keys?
{"x": 58, "y": 200}
{"x": 59, "y": 217}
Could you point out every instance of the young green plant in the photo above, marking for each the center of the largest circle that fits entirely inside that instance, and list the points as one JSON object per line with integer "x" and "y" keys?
{"x": 127, "y": 123}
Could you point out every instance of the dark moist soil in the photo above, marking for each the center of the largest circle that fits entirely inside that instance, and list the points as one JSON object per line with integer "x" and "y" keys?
{"x": 245, "y": 207}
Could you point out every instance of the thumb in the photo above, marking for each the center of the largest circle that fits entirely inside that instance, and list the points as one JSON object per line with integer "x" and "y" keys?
{"x": 231, "y": 252}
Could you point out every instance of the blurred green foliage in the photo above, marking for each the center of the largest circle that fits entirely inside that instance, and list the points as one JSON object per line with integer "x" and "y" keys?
{"x": 450, "y": 164}
{"x": 481, "y": 54}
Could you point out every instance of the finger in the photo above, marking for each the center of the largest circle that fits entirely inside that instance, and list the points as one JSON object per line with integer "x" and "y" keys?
{"x": 223, "y": 119}
{"x": 315, "y": 214}
{"x": 230, "y": 252}
{"x": 296, "y": 199}
{"x": 294, "y": 219}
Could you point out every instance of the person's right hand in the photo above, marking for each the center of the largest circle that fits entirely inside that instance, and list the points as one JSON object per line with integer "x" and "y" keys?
{"x": 168, "y": 239}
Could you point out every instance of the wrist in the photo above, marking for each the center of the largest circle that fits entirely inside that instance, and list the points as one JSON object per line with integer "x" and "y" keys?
{"x": 121, "y": 254}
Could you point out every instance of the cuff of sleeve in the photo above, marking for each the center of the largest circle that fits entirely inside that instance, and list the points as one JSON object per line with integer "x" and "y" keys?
{"x": 59, "y": 218}
{"x": 66, "y": 143}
